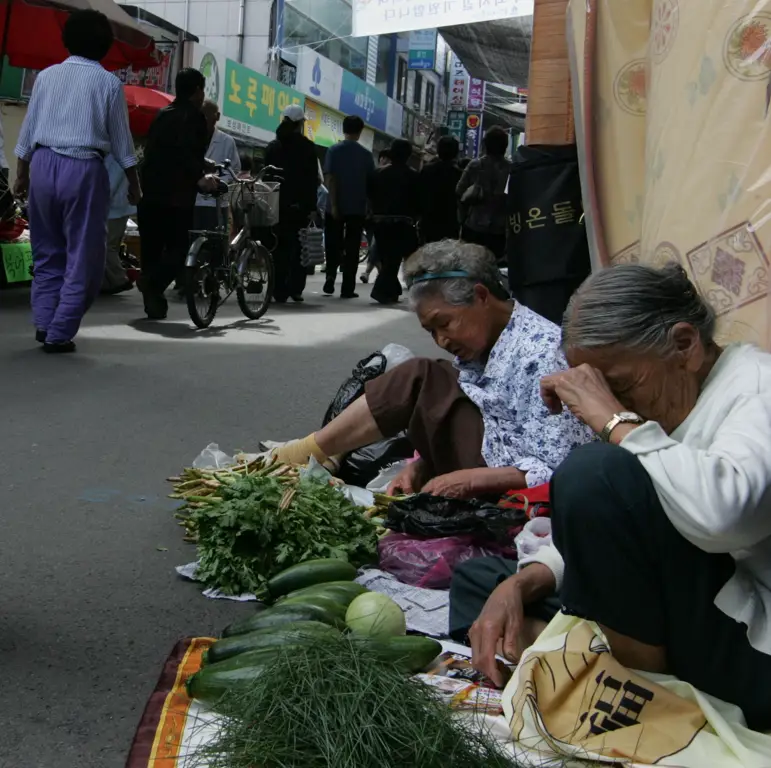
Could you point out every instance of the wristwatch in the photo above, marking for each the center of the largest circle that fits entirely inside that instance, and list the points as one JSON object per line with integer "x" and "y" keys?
{"x": 624, "y": 417}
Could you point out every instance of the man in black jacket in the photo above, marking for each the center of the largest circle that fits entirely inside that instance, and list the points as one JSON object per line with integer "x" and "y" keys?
{"x": 296, "y": 156}
{"x": 173, "y": 171}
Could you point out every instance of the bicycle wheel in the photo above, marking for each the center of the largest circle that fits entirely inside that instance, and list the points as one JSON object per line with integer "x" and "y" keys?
{"x": 201, "y": 285}
{"x": 255, "y": 279}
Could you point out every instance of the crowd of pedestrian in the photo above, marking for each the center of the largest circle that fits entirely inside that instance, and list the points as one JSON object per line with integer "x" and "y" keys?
{"x": 77, "y": 165}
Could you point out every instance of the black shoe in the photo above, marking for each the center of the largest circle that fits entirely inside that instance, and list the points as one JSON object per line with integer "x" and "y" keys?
{"x": 350, "y": 295}
{"x": 297, "y": 298}
{"x": 60, "y": 348}
{"x": 329, "y": 287}
{"x": 364, "y": 279}
{"x": 279, "y": 299}
{"x": 40, "y": 336}
{"x": 127, "y": 286}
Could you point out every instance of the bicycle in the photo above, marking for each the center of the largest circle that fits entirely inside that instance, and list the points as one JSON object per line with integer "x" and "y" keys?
{"x": 215, "y": 263}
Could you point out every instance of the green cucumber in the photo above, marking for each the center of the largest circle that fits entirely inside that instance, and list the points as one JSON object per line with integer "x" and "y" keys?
{"x": 413, "y": 653}
{"x": 342, "y": 591}
{"x": 326, "y": 602}
{"x": 309, "y": 573}
{"x": 288, "y": 634}
{"x": 286, "y": 613}
{"x": 210, "y": 684}
{"x": 254, "y": 658}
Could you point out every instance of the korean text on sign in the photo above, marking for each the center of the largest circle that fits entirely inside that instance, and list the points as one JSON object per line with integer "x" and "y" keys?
{"x": 561, "y": 213}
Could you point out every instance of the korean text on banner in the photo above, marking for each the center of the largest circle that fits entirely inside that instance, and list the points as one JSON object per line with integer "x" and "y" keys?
{"x": 17, "y": 261}
{"x": 253, "y": 101}
{"x": 456, "y": 126}
{"x": 422, "y": 52}
{"x": 476, "y": 95}
{"x": 473, "y": 133}
{"x": 385, "y": 16}
{"x": 323, "y": 126}
{"x": 458, "y": 83}
{"x": 366, "y": 101}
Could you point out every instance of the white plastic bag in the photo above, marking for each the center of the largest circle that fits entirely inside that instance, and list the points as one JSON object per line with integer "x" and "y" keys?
{"x": 396, "y": 354}
{"x": 381, "y": 483}
{"x": 534, "y": 536}
{"x": 212, "y": 457}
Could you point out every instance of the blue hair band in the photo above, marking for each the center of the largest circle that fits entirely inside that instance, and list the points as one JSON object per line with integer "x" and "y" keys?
{"x": 426, "y": 276}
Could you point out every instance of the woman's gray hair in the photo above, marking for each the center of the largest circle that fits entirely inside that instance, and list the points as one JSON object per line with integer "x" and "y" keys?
{"x": 635, "y": 307}
{"x": 452, "y": 256}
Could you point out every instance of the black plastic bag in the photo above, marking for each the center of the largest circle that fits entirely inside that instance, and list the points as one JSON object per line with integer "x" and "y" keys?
{"x": 362, "y": 466}
{"x": 435, "y": 516}
{"x": 353, "y": 388}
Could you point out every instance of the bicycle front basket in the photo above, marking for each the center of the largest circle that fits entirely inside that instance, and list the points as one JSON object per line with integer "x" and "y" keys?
{"x": 262, "y": 204}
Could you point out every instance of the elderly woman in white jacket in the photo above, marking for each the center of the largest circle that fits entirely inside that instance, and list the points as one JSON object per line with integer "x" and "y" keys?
{"x": 662, "y": 529}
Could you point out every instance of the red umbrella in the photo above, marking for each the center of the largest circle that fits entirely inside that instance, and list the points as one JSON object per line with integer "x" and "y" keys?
{"x": 31, "y": 34}
{"x": 143, "y": 105}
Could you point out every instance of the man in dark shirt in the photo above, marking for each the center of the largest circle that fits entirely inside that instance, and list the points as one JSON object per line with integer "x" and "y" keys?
{"x": 439, "y": 203}
{"x": 395, "y": 202}
{"x": 347, "y": 168}
{"x": 173, "y": 171}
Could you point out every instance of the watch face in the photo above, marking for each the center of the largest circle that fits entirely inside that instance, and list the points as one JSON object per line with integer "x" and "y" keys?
{"x": 629, "y": 416}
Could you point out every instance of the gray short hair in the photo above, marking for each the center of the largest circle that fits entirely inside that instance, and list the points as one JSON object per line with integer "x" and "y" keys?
{"x": 452, "y": 256}
{"x": 636, "y": 307}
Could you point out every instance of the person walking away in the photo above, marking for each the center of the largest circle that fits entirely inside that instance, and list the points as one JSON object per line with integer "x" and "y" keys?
{"x": 395, "y": 202}
{"x": 115, "y": 279}
{"x": 439, "y": 203}
{"x": 295, "y": 155}
{"x": 76, "y": 115}
{"x": 173, "y": 172}
{"x": 221, "y": 147}
{"x": 373, "y": 261}
{"x": 482, "y": 189}
{"x": 347, "y": 169}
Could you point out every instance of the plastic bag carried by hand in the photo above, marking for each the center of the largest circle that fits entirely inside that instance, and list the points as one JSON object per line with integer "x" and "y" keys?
{"x": 435, "y": 516}
{"x": 429, "y": 563}
{"x": 353, "y": 388}
{"x": 534, "y": 536}
{"x": 364, "y": 464}
{"x": 212, "y": 457}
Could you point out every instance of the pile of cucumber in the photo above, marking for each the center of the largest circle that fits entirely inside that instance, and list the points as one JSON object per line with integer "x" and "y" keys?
{"x": 309, "y": 603}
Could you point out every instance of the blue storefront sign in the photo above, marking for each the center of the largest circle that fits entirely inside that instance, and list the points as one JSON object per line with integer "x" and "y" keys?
{"x": 422, "y": 49}
{"x": 366, "y": 101}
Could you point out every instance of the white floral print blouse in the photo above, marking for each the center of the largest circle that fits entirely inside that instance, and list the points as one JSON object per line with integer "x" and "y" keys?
{"x": 519, "y": 431}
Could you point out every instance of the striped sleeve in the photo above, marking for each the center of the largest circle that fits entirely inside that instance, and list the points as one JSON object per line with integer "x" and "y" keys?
{"x": 118, "y": 127}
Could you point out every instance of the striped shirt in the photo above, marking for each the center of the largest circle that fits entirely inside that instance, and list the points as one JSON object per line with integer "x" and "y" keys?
{"x": 78, "y": 109}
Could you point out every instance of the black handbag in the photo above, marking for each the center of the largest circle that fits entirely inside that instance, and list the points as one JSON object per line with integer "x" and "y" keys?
{"x": 546, "y": 244}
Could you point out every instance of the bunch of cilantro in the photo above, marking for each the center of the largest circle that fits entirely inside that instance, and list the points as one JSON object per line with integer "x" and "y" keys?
{"x": 247, "y": 538}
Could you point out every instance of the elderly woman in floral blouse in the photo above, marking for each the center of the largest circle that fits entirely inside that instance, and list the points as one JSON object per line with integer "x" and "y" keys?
{"x": 479, "y": 425}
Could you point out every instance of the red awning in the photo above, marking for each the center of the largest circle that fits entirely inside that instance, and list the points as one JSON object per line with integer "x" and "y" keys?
{"x": 34, "y": 38}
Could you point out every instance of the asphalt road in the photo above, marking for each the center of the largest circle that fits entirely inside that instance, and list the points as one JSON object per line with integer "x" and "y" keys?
{"x": 90, "y": 605}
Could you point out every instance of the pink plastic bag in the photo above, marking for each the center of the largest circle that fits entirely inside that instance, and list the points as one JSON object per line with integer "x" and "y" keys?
{"x": 429, "y": 563}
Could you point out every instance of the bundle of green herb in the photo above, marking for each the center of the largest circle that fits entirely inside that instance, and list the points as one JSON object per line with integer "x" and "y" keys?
{"x": 332, "y": 705}
{"x": 258, "y": 526}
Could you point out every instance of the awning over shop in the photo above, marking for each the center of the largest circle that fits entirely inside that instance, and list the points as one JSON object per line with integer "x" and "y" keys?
{"x": 33, "y": 38}
{"x": 495, "y": 51}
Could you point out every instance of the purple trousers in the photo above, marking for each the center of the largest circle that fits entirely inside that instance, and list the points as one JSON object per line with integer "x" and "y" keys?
{"x": 68, "y": 204}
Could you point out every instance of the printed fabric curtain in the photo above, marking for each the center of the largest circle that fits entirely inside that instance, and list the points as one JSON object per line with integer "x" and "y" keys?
{"x": 674, "y": 133}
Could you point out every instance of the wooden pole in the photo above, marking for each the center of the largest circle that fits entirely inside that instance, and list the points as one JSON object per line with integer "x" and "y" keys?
{"x": 549, "y": 103}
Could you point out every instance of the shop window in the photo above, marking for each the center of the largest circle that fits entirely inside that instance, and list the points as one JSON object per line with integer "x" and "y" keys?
{"x": 430, "y": 99}
{"x": 401, "y": 81}
{"x": 417, "y": 98}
